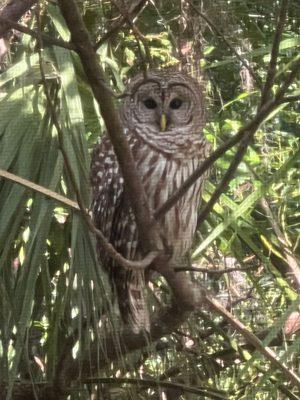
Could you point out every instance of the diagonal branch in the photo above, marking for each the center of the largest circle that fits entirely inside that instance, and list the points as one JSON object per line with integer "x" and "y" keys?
{"x": 148, "y": 229}
{"x": 128, "y": 264}
{"x": 209, "y": 161}
{"x": 274, "y": 52}
{"x": 228, "y": 44}
{"x": 135, "y": 8}
{"x": 207, "y": 392}
{"x": 24, "y": 29}
{"x": 39, "y": 189}
{"x": 244, "y": 137}
{"x": 246, "y": 140}
{"x": 266, "y": 351}
{"x": 95, "y": 76}
{"x": 13, "y": 11}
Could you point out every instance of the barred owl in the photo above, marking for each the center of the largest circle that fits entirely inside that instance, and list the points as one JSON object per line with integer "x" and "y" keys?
{"x": 163, "y": 120}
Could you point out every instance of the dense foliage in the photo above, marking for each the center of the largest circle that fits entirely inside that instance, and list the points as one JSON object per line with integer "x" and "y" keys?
{"x": 52, "y": 287}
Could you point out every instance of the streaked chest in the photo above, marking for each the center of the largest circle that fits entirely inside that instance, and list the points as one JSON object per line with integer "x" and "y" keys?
{"x": 162, "y": 176}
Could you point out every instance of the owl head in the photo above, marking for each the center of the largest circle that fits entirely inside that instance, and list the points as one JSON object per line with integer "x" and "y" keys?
{"x": 164, "y": 101}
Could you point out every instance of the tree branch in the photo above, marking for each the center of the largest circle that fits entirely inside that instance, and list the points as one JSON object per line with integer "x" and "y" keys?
{"x": 28, "y": 31}
{"x": 207, "y": 392}
{"x": 274, "y": 52}
{"x": 268, "y": 353}
{"x": 215, "y": 271}
{"x": 148, "y": 229}
{"x": 228, "y": 44}
{"x": 95, "y": 76}
{"x": 209, "y": 161}
{"x": 244, "y": 136}
{"x": 264, "y": 110}
{"x": 107, "y": 246}
{"x": 132, "y": 12}
{"x": 40, "y": 189}
{"x": 69, "y": 369}
{"x": 13, "y": 11}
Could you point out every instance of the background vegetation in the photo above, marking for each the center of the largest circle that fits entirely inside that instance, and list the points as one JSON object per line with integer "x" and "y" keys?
{"x": 54, "y": 296}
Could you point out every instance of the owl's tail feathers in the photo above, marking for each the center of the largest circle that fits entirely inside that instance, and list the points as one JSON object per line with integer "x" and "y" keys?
{"x": 133, "y": 308}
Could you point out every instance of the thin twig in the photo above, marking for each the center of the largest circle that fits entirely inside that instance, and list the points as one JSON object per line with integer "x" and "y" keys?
{"x": 228, "y": 44}
{"x": 209, "y": 161}
{"x": 253, "y": 339}
{"x": 244, "y": 136}
{"x": 265, "y": 108}
{"x": 239, "y": 155}
{"x": 266, "y": 93}
{"x": 292, "y": 261}
{"x": 134, "y": 10}
{"x": 290, "y": 99}
{"x": 139, "y": 37}
{"x": 111, "y": 251}
{"x": 211, "y": 271}
{"x": 207, "y": 392}
{"x": 39, "y": 189}
{"x": 31, "y": 32}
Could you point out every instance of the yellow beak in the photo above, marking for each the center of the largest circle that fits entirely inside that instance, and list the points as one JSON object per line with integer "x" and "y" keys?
{"x": 163, "y": 122}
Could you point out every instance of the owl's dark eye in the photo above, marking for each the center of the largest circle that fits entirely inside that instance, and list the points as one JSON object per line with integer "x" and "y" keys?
{"x": 150, "y": 103}
{"x": 175, "y": 104}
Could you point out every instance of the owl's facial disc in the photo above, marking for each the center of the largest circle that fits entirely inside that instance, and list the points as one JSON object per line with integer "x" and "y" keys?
{"x": 163, "y": 107}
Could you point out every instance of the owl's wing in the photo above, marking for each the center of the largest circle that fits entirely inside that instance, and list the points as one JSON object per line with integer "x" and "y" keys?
{"x": 110, "y": 207}
{"x": 113, "y": 215}
{"x": 108, "y": 192}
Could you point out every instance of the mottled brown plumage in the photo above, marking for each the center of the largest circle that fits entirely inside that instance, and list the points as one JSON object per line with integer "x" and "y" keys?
{"x": 166, "y": 151}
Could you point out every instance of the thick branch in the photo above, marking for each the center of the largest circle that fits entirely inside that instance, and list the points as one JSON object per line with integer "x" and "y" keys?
{"x": 95, "y": 76}
{"x": 147, "y": 227}
{"x": 108, "y": 247}
{"x": 13, "y": 11}
{"x": 166, "y": 321}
